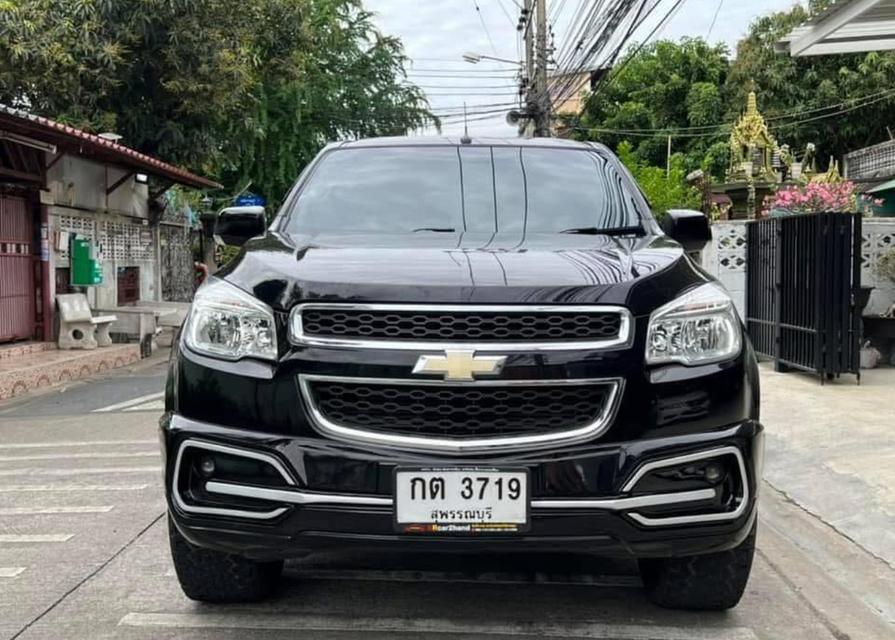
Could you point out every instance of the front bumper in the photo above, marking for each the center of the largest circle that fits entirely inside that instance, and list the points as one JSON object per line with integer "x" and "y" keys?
{"x": 332, "y": 495}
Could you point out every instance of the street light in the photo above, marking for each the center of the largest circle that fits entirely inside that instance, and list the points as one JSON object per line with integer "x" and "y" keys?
{"x": 475, "y": 58}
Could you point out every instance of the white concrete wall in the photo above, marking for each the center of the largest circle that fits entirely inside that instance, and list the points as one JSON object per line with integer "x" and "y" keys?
{"x": 118, "y": 224}
{"x": 879, "y": 238}
{"x": 130, "y": 197}
{"x": 79, "y": 183}
{"x": 725, "y": 259}
{"x": 82, "y": 184}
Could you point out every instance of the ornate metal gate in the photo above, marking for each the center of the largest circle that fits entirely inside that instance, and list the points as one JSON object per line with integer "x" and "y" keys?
{"x": 177, "y": 265}
{"x": 16, "y": 269}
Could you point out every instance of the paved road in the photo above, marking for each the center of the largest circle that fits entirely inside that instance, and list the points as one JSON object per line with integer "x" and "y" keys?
{"x": 83, "y": 554}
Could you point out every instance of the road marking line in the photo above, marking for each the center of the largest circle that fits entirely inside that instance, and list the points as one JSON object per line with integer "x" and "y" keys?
{"x": 89, "y": 443}
{"x": 157, "y": 405}
{"x": 77, "y": 472}
{"x": 11, "y": 572}
{"x": 80, "y": 456}
{"x": 48, "y": 511}
{"x": 130, "y": 403}
{"x": 15, "y": 538}
{"x": 417, "y": 626}
{"x": 24, "y": 488}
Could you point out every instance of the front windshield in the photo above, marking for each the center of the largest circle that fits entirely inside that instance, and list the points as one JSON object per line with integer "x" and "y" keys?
{"x": 446, "y": 189}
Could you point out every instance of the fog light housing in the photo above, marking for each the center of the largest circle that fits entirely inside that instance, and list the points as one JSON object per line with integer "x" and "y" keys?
{"x": 207, "y": 467}
{"x": 714, "y": 472}
{"x": 689, "y": 476}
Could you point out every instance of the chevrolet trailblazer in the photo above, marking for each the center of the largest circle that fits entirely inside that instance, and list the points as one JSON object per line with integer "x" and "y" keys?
{"x": 484, "y": 346}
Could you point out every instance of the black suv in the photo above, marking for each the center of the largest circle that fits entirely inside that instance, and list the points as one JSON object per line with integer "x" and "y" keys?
{"x": 484, "y": 346}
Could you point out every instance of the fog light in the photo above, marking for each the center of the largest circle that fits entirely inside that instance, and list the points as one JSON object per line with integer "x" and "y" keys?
{"x": 206, "y": 467}
{"x": 713, "y": 472}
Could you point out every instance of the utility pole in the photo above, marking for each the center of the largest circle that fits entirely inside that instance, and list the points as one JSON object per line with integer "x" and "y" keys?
{"x": 537, "y": 100}
{"x": 668, "y": 159}
{"x": 542, "y": 116}
{"x": 527, "y": 23}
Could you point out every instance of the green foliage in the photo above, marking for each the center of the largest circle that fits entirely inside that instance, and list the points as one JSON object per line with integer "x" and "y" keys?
{"x": 663, "y": 190}
{"x": 787, "y": 85}
{"x": 247, "y": 90}
{"x": 716, "y": 161}
{"x": 678, "y": 87}
{"x": 664, "y": 86}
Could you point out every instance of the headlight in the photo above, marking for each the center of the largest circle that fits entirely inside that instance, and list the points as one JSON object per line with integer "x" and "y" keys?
{"x": 700, "y": 327}
{"x": 226, "y": 322}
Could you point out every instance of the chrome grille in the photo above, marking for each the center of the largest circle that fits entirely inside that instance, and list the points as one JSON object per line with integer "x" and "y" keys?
{"x": 461, "y": 412}
{"x": 497, "y": 327}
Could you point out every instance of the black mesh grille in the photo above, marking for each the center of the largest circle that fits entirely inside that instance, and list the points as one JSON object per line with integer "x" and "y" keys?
{"x": 446, "y": 411}
{"x": 459, "y": 326}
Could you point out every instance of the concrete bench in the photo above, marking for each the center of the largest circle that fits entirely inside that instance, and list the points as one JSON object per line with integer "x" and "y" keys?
{"x": 78, "y": 327}
{"x": 158, "y": 321}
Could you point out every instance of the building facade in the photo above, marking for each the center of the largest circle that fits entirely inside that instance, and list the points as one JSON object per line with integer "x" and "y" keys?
{"x": 58, "y": 184}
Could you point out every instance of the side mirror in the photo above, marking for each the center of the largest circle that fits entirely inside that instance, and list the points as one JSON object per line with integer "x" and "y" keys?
{"x": 236, "y": 225}
{"x": 690, "y": 228}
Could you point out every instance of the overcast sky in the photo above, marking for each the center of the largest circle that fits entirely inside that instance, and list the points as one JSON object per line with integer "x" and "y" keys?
{"x": 436, "y": 33}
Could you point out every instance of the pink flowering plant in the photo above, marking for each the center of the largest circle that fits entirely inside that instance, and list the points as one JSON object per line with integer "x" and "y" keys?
{"x": 817, "y": 197}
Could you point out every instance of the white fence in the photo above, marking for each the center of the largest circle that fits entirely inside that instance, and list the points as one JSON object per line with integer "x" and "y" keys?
{"x": 725, "y": 259}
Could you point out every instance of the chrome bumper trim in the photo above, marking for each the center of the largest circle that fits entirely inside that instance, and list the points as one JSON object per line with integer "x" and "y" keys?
{"x": 742, "y": 500}
{"x": 627, "y": 504}
{"x": 448, "y": 446}
{"x": 305, "y": 498}
{"x": 294, "y": 496}
{"x": 233, "y": 451}
{"x": 625, "y": 333}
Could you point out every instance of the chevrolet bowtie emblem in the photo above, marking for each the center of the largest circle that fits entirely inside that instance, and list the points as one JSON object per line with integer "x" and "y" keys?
{"x": 460, "y": 365}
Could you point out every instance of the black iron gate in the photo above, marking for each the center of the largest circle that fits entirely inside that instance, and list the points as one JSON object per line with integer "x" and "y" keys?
{"x": 803, "y": 275}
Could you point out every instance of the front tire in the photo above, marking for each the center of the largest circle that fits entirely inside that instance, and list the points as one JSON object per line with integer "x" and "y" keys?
{"x": 711, "y": 582}
{"x": 212, "y": 576}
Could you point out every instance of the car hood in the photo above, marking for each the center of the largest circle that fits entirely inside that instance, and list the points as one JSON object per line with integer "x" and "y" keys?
{"x": 283, "y": 270}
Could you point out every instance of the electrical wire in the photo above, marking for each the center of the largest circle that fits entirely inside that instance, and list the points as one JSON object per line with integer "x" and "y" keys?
{"x": 463, "y": 86}
{"x": 714, "y": 19}
{"x": 507, "y": 14}
{"x": 598, "y": 36}
{"x": 465, "y": 69}
{"x": 849, "y": 105}
{"x": 556, "y": 10}
{"x": 478, "y": 11}
{"x": 657, "y": 29}
{"x": 470, "y": 93}
{"x": 725, "y": 129}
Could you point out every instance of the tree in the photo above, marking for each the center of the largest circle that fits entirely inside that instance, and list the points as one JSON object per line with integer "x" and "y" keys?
{"x": 663, "y": 87}
{"x": 347, "y": 81}
{"x": 792, "y": 92}
{"x": 664, "y": 189}
{"x": 246, "y": 90}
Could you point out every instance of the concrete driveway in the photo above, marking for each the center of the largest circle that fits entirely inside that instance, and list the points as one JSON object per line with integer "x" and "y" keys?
{"x": 831, "y": 449}
{"x": 83, "y": 545}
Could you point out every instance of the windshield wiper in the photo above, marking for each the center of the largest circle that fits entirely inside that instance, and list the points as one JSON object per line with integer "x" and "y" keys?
{"x": 636, "y": 230}
{"x": 435, "y": 229}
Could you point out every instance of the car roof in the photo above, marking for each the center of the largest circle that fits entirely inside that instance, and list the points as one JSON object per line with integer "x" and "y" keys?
{"x": 450, "y": 141}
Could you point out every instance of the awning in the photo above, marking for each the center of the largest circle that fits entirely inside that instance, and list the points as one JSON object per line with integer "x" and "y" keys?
{"x": 848, "y": 26}
{"x": 886, "y": 186}
{"x": 81, "y": 143}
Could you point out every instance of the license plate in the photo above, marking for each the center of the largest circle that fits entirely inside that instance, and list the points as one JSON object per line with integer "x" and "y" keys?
{"x": 461, "y": 501}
